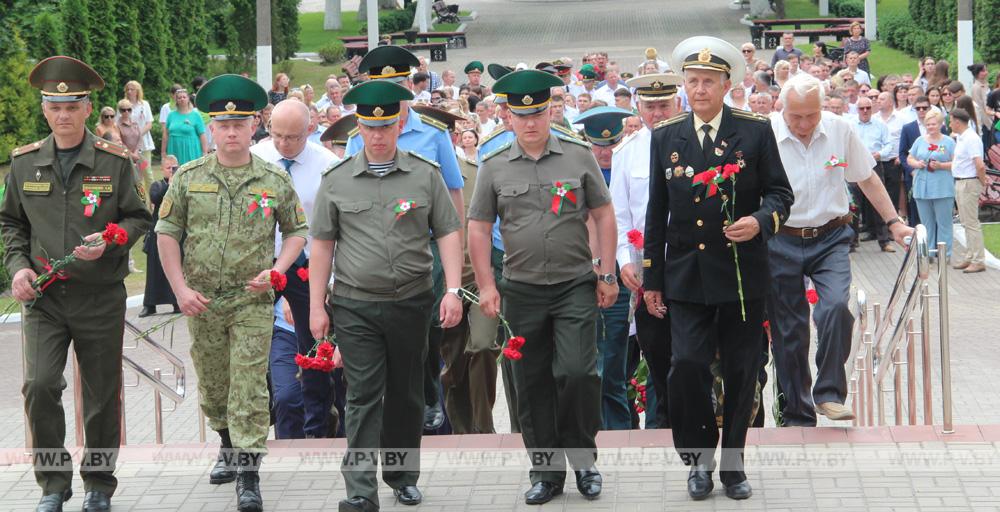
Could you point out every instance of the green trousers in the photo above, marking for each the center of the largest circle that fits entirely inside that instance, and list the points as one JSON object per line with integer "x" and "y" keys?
{"x": 558, "y": 389}
{"x": 94, "y": 319}
{"x": 230, "y": 344}
{"x": 383, "y": 344}
{"x": 469, "y": 375}
{"x": 506, "y": 370}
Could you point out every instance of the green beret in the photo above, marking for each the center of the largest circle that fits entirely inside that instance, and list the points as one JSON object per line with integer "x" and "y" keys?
{"x": 377, "y": 101}
{"x": 603, "y": 125}
{"x": 64, "y": 79}
{"x": 231, "y": 97}
{"x": 474, "y": 66}
{"x": 388, "y": 63}
{"x": 587, "y": 72}
{"x": 528, "y": 91}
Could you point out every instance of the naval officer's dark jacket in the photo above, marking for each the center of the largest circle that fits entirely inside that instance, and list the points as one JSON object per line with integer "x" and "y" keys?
{"x": 689, "y": 257}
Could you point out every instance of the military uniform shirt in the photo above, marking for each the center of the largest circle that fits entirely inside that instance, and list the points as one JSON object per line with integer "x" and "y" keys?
{"x": 226, "y": 246}
{"x": 382, "y": 251}
{"x": 542, "y": 247}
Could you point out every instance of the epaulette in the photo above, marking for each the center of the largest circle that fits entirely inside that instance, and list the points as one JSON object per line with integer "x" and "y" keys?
{"x": 27, "y": 148}
{"x": 500, "y": 129}
{"x": 676, "y": 119}
{"x": 111, "y": 147}
{"x": 497, "y": 151}
{"x": 418, "y": 156}
{"x": 574, "y": 140}
{"x": 565, "y": 131}
{"x": 623, "y": 142}
{"x": 338, "y": 164}
{"x": 753, "y": 116}
{"x": 197, "y": 162}
{"x": 429, "y": 121}
{"x": 354, "y": 131}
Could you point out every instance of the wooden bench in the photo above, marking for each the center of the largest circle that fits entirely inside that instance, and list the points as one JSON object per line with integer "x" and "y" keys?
{"x": 439, "y": 50}
{"x": 772, "y": 38}
{"x": 760, "y": 26}
{"x": 454, "y": 40}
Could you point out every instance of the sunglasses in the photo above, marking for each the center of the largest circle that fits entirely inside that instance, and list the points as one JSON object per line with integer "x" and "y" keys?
{"x": 108, "y": 116}
{"x": 124, "y": 110}
{"x": 864, "y": 108}
{"x": 747, "y": 51}
{"x": 921, "y": 108}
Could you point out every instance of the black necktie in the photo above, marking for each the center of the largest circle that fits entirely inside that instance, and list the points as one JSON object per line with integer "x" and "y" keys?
{"x": 706, "y": 142}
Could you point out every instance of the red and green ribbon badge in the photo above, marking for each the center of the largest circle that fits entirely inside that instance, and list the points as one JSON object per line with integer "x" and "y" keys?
{"x": 90, "y": 202}
{"x": 933, "y": 148}
{"x": 834, "y": 162}
{"x": 561, "y": 191}
{"x": 261, "y": 203}
{"x": 708, "y": 178}
{"x": 403, "y": 206}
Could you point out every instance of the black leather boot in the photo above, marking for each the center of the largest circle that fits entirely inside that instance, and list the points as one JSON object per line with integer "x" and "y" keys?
{"x": 248, "y": 497}
{"x": 224, "y": 470}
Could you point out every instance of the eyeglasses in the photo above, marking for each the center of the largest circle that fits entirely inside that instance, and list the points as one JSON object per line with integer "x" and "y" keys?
{"x": 124, "y": 110}
{"x": 291, "y": 139}
{"x": 171, "y": 168}
{"x": 921, "y": 108}
{"x": 108, "y": 116}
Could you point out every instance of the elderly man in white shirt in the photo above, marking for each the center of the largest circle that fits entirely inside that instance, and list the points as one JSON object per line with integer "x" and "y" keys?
{"x": 289, "y": 148}
{"x": 658, "y": 101}
{"x": 819, "y": 151}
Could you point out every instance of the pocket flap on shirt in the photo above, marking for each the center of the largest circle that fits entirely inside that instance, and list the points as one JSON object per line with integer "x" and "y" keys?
{"x": 513, "y": 189}
{"x": 356, "y": 207}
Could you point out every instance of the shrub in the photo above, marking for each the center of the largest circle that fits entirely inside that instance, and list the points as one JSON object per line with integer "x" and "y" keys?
{"x": 18, "y": 101}
{"x": 332, "y": 52}
{"x": 848, "y": 8}
{"x": 987, "y": 26}
{"x": 393, "y": 21}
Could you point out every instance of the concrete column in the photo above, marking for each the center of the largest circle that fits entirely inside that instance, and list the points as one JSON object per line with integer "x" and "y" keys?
{"x": 965, "y": 43}
{"x": 372, "y": 23}
{"x": 264, "y": 43}
{"x": 824, "y": 7}
{"x": 871, "y": 20}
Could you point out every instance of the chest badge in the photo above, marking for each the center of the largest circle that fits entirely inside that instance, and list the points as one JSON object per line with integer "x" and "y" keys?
{"x": 561, "y": 192}
{"x": 403, "y": 206}
{"x": 38, "y": 175}
{"x": 718, "y": 151}
{"x": 678, "y": 171}
{"x": 261, "y": 203}
{"x": 674, "y": 157}
{"x": 689, "y": 172}
{"x": 90, "y": 202}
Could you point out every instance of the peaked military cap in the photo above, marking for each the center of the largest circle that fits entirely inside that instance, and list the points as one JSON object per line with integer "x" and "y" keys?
{"x": 711, "y": 53}
{"x": 438, "y": 114}
{"x": 377, "y": 101}
{"x": 547, "y": 67}
{"x": 338, "y": 132}
{"x": 603, "y": 125}
{"x": 64, "y": 79}
{"x": 655, "y": 86}
{"x": 528, "y": 91}
{"x": 388, "y": 62}
{"x": 562, "y": 68}
{"x": 587, "y": 72}
{"x": 497, "y": 71}
{"x": 473, "y": 67}
{"x": 231, "y": 97}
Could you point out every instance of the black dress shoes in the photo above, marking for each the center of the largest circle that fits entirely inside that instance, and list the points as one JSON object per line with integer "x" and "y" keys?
{"x": 433, "y": 417}
{"x": 408, "y": 495}
{"x": 588, "y": 482}
{"x": 54, "y": 502}
{"x": 96, "y": 501}
{"x": 700, "y": 483}
{"x": 147, "y": 311}
{"x": 740, "y": 491}
{"x": 357, "y": 504}
{"x": 542, "y": 492}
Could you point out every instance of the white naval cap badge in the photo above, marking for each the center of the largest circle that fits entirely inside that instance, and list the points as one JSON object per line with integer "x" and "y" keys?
{"x": 378, "y": 111}
{"x": 388, "y": 70}
{"x": 606, "y": 133}
{"x": 230, "y": 106}
{"x": 656, "y": 85}
{"x": 705, "y": 55}
{"x": 62, "y": 87}
{"x": 527, "y": 100}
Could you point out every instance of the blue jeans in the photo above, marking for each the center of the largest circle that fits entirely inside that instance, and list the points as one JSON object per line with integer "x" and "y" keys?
{"x": 936, "y": 217}
{"x": 612, "y": 362}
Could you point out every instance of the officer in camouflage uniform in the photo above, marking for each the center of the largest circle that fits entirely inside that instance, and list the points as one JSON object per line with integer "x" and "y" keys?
{"x": 42, "y": 217}
{"x": 228, "y": 204}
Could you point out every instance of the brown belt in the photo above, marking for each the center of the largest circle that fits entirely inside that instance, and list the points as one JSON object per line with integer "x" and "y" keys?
{"x": 808, "y": 233}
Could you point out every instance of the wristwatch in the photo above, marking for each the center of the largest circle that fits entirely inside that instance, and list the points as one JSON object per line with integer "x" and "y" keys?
{"x": 608, "y": 278}
{"x": 455, "y": 291}
{"x": 893, "y": 221}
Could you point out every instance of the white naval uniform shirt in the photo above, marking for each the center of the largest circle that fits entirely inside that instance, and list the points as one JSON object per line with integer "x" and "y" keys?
{"x": 820, "y": 192}
{"x": 630, "y": 189}
{"x": 307, "y": 173}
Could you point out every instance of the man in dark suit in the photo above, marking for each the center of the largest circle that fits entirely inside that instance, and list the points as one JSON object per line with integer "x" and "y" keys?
{"x": 910, "y": 133}
{"x": 696, "y": 225}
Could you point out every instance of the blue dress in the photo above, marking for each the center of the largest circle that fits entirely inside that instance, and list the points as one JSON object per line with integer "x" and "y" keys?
{"x": 940, "y": 183}
{"x": 184, "y": 135}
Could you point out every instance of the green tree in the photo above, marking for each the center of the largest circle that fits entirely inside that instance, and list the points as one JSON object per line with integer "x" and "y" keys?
{"x": 987, "y": 28}
{"x": 18, "y": 100}
{"x": 284, "y": 28}
{"x": 103, "y": 51}
{"x": 197, "y": 44}
{"x": 128, "y": 35}
{"x": 46, "y": 33}
{"x": 77, "y": 41}
{"x": 153, "y": 44}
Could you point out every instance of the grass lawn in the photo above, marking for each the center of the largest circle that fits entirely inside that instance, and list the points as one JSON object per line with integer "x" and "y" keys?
{"x": 991, "y": 236}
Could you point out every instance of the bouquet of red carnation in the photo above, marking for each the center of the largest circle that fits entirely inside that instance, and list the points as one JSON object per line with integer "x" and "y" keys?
{"x": 278, "y": 281}
{"x": 636, "y": 392}
{"x": 319, "y": 357}
{"x": 511, "y": 348}
{"x": 713, "y": 179}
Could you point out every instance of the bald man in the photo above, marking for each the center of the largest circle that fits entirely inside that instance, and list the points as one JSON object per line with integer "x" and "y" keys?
{"x": 301, "y": 408}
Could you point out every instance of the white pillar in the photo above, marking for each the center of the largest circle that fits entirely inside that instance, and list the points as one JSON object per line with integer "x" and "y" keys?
{"x": 824, "y": 7}
{"x": 264, "y": 43}
{"x": 965, "y": 43}
{"x": 871, "y": 20}
{"x": 372, "y": 23}
{"x": 422, "y": 20}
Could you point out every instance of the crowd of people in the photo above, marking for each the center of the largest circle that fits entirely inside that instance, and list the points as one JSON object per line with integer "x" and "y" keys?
{"x": 571, "y": 181}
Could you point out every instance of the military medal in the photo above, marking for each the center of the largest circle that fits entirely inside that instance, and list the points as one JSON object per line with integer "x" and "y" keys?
{"x": 90, "y": 202}
{"x": 689, "y": 172}
{"x": 261, "y": 203}
{"x": 718, "y": 151}
{"x": 561, "y": 191}
{"x": 38, "y": 175}
{"x": 723, "y": 143}
{"x": 739, "y": 159}
{"x": 674, "y": 157}
{"x": 678, "y": 171}
{"x": 403, "y": 206}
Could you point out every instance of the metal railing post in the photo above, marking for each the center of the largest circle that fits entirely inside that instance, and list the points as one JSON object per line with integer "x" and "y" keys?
{"x": 870, "y": 379}
{"x": 911, "y": 373}
{"x": 158, "y": 409}
{"x": 925, "y": 353}
{"x": 897, "y": 385}
{"x": 945, "y": 337}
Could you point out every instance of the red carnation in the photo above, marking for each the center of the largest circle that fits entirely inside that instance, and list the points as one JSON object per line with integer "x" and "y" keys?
{"x": 516, "y": 342}
{"x": 729, "y": 171}
{"x": 512, "y": 354}
{"x": 303, "y": 274}
{"x": 114, "y": 235}
{"x": 635, "y": 238}
{"x": 324, "y": 350}
{"x": 811, "y": 296}
{"x": 278, "y": 280}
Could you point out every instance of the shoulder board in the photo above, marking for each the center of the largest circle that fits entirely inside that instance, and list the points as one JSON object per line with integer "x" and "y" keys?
{"x": 497, "y": 151}
{"x": 565, "y": 131}
{"x": 676, "y": 119}
{"x": 421, "y": 157}
{"x": 197, "y": 162}
{"x": 500, "y": 129}
{"x": 624, "y": 141}
{"x": 574, "y": 140}
{"x": 111, "y": 147}
{"x": 337, "y": 164}
{"x": 27, "y": 148}
{"x": 429, "y": 121}
{"x": 354, "y": 131}
{"x": 743, "y": 114}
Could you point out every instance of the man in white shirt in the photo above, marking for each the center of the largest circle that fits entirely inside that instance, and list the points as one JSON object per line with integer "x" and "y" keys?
{"x": 289, "y": 149}
{"x": 334, "y": 95}
{"x": 860, "y": 75}
{"x": 606, "y": 92}
{"x": 658, "y": 101}
{"x": 819, "y": 152}
{"x": 970, "y": 177}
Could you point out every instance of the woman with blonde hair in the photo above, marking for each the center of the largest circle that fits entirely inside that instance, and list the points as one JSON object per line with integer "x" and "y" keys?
{"x": 858, "y": 43}
{"x": 308, "y": 94}
{"x": 781, "y": 70}
{"x": 106, "y": 127}
{"x": 933, "y": 185}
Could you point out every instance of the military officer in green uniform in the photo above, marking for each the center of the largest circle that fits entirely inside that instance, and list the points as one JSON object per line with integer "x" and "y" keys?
{"x": 474, "y": 72}
{"x": 372, "y": 216}
{"x": 43, "y": 217}
{"x": 543, "y": 187}
{"x": 228, "y": 204}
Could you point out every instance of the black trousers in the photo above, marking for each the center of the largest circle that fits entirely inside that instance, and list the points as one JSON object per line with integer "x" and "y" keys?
{"x": 698, "y": 331}
{"x": 653, "y": 335}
